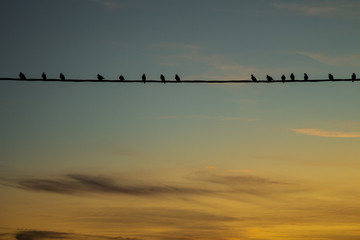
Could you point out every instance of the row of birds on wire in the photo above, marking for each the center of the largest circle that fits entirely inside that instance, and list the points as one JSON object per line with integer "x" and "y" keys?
{"x": 100, "y": 77}
{"x": 306, "y": 77}
{"x": 177, "y": 78}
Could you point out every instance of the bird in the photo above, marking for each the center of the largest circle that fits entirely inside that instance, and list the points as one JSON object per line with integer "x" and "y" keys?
{"x": 143, "y": 77}
{"x": 62, "y": 77}
{"x": 177, "y": 78}
{"x": 162, "y": 77}
{"x": 269, "y": 78}
{"x": 331, "y": 77}
{"x": 353, "y": 77}
{"x": 306, "y": 77}
{"x": 22, "y": 76}
{"x": 292, "y": 77}
{"x": 283, "y": 78}
{"x": 43, "y": 75}
{"x": 99, "y": 77}
{"x": 253, "y": 78}
{"x": 121, "y": 78}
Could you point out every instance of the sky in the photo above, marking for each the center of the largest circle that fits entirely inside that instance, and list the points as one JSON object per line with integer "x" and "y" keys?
{"x": 184, "y": 161}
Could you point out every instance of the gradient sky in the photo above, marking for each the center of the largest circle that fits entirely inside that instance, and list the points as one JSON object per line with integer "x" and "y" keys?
{"x": 133, "y": 161}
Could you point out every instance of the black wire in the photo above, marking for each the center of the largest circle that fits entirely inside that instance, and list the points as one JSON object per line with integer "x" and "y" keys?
{"x": 174, "y": 81}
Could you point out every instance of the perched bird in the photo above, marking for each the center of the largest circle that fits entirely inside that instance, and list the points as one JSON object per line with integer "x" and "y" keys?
{"x": 306, "y": 77}
{"x": 143, "y": 77}
{"x": 177, "y": 78}
{"x": 162, "y": 77}
{"x": 269, "y": 78}
{"x": 62, "y": 77}
{"x": 292, "y": 77}
{"x": 121, "y": 78}
{"x": 99, "y": 77}
{"x": 353, "y": 77}
{"x": 331, "y": 77}
{"x": 253, "y": 78}
{"x": 283, "y": 78}
{"x": 43, "y": 75}
{"x": 22, "y": 76}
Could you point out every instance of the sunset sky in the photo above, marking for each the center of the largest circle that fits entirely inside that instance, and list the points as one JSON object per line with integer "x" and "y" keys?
{"x": 133, "y": 161}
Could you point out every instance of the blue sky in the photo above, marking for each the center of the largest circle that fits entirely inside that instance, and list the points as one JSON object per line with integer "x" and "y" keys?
{"x": 201, "y": 39}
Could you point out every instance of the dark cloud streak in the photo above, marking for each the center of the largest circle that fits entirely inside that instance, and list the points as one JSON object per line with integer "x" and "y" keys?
{"x": 76, "y": 183}
{"x": 46, "y": 235}
{"x": 216, "y": 186}
{"x": 37, "y": 235}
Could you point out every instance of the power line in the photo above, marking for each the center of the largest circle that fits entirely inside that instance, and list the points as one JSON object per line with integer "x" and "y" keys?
{"x": 174, "y": 81}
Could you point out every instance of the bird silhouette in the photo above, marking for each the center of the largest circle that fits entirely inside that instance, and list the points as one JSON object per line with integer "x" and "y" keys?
{"x": 99, "y": 77}
{"x": 22, "y": 76}
{"x": 283, "y": 78}
{"x": 331, "y": 77}
{"x": 62, "y": 77}
{"x": 292, "y": 77}
{"x": 143, "y": 77}
{"x": 162, "y": 77}
{"x": 306, "y": 77}
{"x": 353, "y": 77}
{"x": 253, "y": 78}
{"x": 177, "y": 78}
{"x": 269, "y": 78}
{"x": 43, "y": 75}
{"x": 121, "y": 78}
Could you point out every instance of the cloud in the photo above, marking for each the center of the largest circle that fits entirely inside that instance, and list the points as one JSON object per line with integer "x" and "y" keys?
{"x": 46, "y": 235}
{"x": 6, "y": 236}
{"x": 216, "y": 185}
{"x": 175, "y": 223}
{"x": 77, "y": 183}
{"x": 239, "y": 184}
{"x": 323, "y": 8}
{"x": 344, "y": 60}
{"x": 35, "y": 235}
{"x": 322, "y": 133}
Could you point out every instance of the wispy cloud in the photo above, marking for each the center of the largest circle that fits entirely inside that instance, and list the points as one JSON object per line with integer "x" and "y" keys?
{"x": 217, "y": 184}
{"x": 344, "y": 60}
{"x": 42, "y": 235}
{"x": 323, "y": 8}
{"x": 76, "y": 184}
{"x": 6, "y": 236}
{"x": 35, "y": 235}
{"x": 323, "y": 133}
